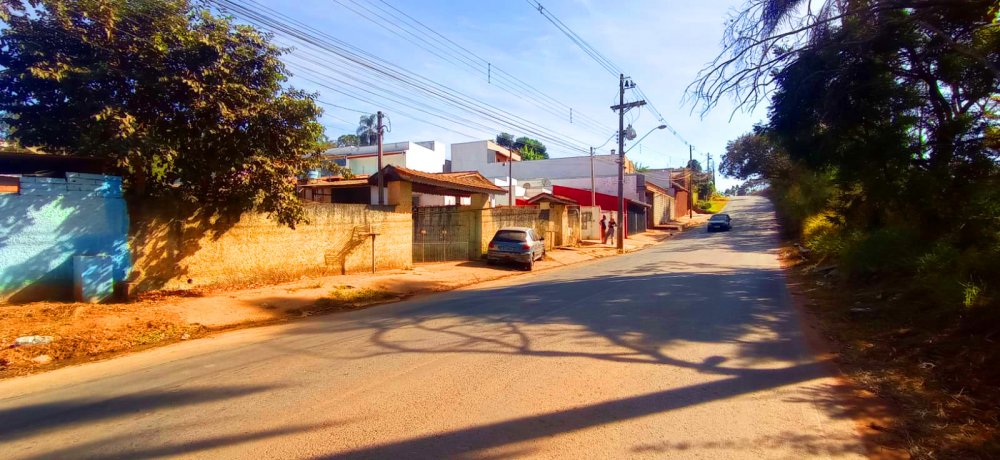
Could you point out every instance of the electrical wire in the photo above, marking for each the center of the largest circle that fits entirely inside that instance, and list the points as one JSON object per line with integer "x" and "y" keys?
{"x": 280, "y": 25}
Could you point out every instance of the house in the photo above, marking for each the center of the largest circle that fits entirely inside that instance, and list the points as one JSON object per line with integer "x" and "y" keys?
{"x": 490, "y": 159}
{"x": 636, "y": 211}
{"x": 456, "y": 188}
{"x": 428, "y": 156}
{"x": 663, "y": 206}
{"x": 562, "y": 214}
{"x": 677, "y": 181}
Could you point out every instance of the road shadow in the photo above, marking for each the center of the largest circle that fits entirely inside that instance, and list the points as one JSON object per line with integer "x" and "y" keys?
{"x": 32, "y": 419}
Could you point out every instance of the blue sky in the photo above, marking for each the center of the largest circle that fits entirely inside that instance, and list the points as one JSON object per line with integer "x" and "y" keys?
{"x": 660, "y": 44}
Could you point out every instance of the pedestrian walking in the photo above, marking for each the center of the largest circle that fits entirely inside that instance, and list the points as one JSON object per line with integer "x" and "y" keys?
{"x": 611, "y": 235}
{"x": 604, "y": 229}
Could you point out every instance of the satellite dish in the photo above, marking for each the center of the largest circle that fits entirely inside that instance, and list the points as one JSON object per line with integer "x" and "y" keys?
{"x": 546, "y": 183}
{"x": 526, "y": 185}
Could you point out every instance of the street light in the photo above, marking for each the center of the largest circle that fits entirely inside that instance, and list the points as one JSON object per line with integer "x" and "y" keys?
{"x": 622, "y": 212}
{"x": 644, "y": 136}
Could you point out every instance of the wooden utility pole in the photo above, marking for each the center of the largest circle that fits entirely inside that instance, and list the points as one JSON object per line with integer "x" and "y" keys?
{"x": 510, "y": 176}
{"x": 381, "y": 179}
{"x": 593, "y": 181}
{"x": 621, "y": 108}
{"x": 690, "y": 182}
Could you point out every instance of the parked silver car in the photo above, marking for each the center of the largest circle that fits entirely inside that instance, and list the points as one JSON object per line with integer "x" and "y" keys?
{"x": 521, "y": 245}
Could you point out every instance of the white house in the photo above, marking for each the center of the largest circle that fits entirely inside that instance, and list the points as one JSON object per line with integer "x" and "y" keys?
{"x": 428, "y": 156}
{"x": 490, "y": 160}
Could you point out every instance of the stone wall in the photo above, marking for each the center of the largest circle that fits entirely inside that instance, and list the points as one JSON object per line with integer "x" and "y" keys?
{"x": 173, "y": 249}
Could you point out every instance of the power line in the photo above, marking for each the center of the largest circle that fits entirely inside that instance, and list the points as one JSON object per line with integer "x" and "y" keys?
{"x": 384, "y": 71}
{"x": 603, "y": 61}
{"x": 433, "y": 42}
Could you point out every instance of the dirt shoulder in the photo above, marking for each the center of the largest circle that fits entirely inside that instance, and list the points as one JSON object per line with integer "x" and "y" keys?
{"x": 911, "y": 389}
{"x": 81, "y": 332}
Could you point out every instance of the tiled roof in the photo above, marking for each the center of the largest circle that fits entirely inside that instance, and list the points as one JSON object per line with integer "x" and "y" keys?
{"x": 551, "y": 199}
{"x": 337, "y": 183}
{"x": 466, "y": 181}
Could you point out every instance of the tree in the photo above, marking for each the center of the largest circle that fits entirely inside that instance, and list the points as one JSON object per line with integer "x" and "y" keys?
{"x": 765, "y": 36}
{"x": 530, "y": 149}
{"x": 541, "y": 152}
{"x": 694, "y": 165}
{"x": 505, "y": 140}
{"x": 639, "y": 167}
{"x": 367, "y": 132}
{"x": 182, "y": 101}
{"x": 754, "y": 157}
{"x": 347, "y": 140}
{"x": 528, "y": 154}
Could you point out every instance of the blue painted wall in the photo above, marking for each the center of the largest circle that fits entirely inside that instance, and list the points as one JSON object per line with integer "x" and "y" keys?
{"x": 50, "y": 221}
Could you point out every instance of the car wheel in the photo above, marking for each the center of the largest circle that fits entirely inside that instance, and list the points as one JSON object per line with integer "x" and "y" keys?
{"x": 530, "y": 265}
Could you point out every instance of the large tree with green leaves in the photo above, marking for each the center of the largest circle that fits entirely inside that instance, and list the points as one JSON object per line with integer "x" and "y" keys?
{"x": 529, "y": 149}
{"x": 182, "y": 101}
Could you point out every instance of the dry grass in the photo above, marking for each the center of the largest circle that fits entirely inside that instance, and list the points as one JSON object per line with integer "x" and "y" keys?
{"x": 926, "y": 363}
{"x": 83, "y": 332}
{"x": 349, "y": 297}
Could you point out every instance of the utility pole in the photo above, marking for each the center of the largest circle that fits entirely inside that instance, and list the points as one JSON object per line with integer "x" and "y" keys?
{"x": 690, "y": 183}
{"x": 510, "y": 176}
{"x": 381, "y": 179}
{"x": 622, "y": 107}
{"x": 593, "y": 181}
{"x": 620, "y": 236}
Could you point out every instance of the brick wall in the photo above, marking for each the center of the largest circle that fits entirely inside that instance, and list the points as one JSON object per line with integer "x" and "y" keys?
{"x": 517, "y": 216}
{"x": 177, "y": 250}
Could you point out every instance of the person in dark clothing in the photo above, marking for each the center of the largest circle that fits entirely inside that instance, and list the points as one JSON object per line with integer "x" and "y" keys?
{"x": 611, "y": 230}
{"x": 604, "y": 229}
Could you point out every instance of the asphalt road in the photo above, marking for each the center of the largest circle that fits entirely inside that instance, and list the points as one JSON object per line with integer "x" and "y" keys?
{"x": 688, "y": 349}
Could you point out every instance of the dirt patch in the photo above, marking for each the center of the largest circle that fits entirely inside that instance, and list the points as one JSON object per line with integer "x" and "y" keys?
{"x": 918, "y": 383}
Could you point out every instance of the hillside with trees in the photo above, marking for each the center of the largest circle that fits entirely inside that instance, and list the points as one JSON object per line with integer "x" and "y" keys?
{"x": 880, "y": 152}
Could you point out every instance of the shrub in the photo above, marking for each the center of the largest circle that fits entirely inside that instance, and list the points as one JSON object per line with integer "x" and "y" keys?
{"x": 885, "y": 250}
{"x": 824, "y": 235}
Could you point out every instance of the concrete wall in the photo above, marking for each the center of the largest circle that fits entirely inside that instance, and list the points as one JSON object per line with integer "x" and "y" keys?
{"x": 663, "y": 209}
{"x": 494, "y": 219}
{"x": 428, "y": 156}
{"x": 53, "y": 219}
{"x": 365, "y": 166}
{"x": 177, "y": 250}
{"x": 565, "y": 168}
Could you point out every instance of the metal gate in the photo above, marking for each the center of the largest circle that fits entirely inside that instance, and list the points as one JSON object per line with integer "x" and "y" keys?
{"x": 441, "y": 233}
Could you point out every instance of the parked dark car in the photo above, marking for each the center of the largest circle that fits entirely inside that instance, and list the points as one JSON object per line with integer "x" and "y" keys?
{"x": 720, "y": 222}
{"x": 520, "y": 245}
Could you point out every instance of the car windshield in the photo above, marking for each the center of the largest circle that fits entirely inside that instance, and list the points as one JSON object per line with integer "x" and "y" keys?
{"x": 719, "y": 217}
{"x": 511, "y": 235}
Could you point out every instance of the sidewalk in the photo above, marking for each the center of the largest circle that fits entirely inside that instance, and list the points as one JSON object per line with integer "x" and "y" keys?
{"x": 86, "y": 332}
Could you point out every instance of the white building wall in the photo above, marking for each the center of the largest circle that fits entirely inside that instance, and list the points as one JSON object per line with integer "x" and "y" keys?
{"x": 475, "y": 156}
{"x": 504, "y": 200}
{"x": 427, "y": 156}
{"x": 369, "y": 165}
{"x": 470, "y": 156}
{"x": 607, "y": 185}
